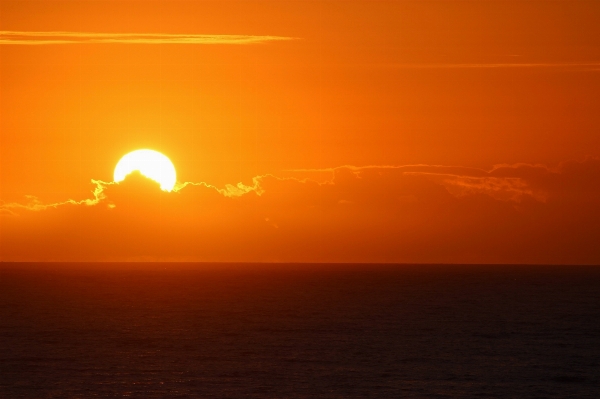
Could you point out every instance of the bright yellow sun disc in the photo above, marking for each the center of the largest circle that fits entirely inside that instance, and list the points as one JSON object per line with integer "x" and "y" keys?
{"x": 149, "y": 163}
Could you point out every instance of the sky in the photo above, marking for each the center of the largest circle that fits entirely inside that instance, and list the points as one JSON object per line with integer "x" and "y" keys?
{"x": 302, "y": 131}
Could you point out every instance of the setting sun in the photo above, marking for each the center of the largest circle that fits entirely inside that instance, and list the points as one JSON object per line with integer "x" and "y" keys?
{"x": 149, "y": 163}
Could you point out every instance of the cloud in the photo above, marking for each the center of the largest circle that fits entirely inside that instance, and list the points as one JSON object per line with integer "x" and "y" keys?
{"x": 507, "y": 188}
{"x": 45, "y": 38}
{"x": 414, "y": 213}
{"x": 506, "y": 182}
{"x": 230, "y": 190}
{"x": 459, "y": 181}
{"x": 35, "y": 204}
{"x": 510, "y": 183}
{"x": 510, "y": 65}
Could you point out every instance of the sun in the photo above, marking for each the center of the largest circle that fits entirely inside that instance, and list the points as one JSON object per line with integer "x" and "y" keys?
{"x": 149, "y": 163}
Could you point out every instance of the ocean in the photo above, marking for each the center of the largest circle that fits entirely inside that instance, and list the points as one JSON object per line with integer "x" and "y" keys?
{"x": 153, "y": 330}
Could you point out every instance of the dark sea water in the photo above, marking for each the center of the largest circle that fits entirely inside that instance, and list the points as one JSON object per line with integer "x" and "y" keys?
{"x": 299, "y": 331}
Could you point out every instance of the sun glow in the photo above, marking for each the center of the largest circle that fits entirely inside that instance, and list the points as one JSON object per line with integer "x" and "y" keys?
{"x": 149, "y": 163}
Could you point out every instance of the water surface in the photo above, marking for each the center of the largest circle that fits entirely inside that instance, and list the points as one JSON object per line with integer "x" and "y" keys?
{"x": 298, "y": 331}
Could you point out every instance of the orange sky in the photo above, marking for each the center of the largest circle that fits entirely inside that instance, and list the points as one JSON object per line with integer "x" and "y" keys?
{"x": 321, "y": 112}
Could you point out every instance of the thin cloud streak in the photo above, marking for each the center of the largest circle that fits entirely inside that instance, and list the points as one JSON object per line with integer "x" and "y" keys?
{"x": 500, "y": 188}
{"x": 496, "y": 65}
{"x": 47, "y": 38}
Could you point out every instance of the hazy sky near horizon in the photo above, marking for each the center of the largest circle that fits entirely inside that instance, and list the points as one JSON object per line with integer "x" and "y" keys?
{"x": 371, "y": 131}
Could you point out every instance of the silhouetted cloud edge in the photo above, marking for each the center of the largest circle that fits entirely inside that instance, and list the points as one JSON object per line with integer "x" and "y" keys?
{"x": 505, "y": 182}
{"x": 34, "y": 204}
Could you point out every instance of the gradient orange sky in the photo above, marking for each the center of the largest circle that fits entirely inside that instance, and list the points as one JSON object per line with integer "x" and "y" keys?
{"x": 407, "y": 131}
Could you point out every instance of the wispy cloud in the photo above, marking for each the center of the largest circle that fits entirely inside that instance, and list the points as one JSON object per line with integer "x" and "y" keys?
{"x": 230, "y": 190}
{"x": 500, "y": 188}
{"x": 514, "y": 65}
{"x": 45, "y": 38}
{"x": 34, "y": 204}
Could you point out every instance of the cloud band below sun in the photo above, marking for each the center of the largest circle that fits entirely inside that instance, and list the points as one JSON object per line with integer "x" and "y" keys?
{"x": 45, "y": 38}
{"x": 512, "y": 183}
{"x": 517, "y": 213}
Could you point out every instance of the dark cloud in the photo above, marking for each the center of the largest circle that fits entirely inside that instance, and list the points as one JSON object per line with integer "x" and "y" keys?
{"x": 419, "y": 213}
